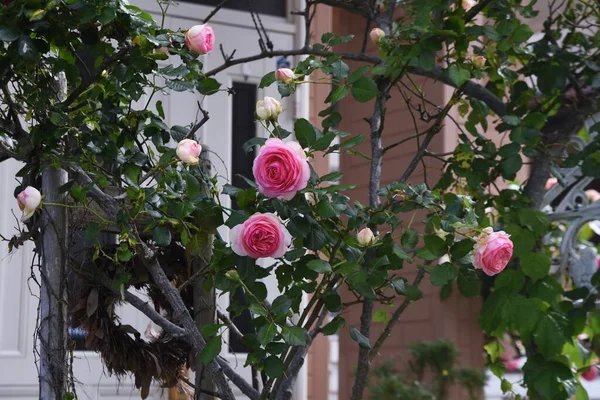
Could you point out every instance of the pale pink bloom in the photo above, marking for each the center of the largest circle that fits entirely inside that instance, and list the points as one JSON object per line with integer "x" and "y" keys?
{"x": 479, "y": 61}
{"x": 29, "y": 200}
{"x": 281, "y": 169}
{"x": 188, "y": 151}
{"x": 268, "y": 108}
{"x": 200, "y": 39}
{"x": 592, "y": 195}
{"x": 150, "y": 333}
{"x": 365, "y": 237}
{"x": 261, "y": 236}
{"x": 376, "y": 34}
{"x": 468, "y": 4}
{"x": 493, "y": 251}
{"x": 284, "y": 75}
{"x": 551, "y": 182}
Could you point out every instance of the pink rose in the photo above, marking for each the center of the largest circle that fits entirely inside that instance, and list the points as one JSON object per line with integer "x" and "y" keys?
{"x": 512, "y": 365}
{"x": 261, "y": 236}
{"x": 493, "y": 251}
{"x": 29, "y": 200}
{"x": 188, "y": 151}
{"x": 284, "y": 75}
{"x": 376, "y": 34}
{"x": 281, "y": 169}
{"x": 200, "y": 39}
{"x": 551, "y": 182}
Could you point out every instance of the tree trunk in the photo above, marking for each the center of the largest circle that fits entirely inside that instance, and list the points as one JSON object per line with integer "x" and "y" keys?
{"x": 52, "y": 332}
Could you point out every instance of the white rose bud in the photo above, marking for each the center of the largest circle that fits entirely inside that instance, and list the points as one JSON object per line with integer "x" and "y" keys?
{"x": 188, "y": 151}
{"x": 365, "y": 237}
{"x": 479, "y": 61}
{"x": 268, "y": 109}
{"x": 29, "y": 200}
{"x": 284, "y": 75}
{"x": 376, "y": 34}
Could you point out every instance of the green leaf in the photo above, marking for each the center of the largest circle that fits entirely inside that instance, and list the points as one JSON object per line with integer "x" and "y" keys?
{"x": 332, "y": 177}
{"x": 505, "y": 386}
{"x": 522, "y": 33}
{"x": 512, "y": 120}
{"x": 337, "y": 94}
{"x": 404, "y": 289}
{"x": 535, "y": 265}
{"x": 436, "y": 245}
{"x": 281, "y": 305}
{"x": 357, "y": 74}
{"x": 326, "y": 208}
{"x": 320, "y": 266}
{"x": 410, "y": 238}
{"x": 339, "y": 69}
{"x": 306, "y": 133}
{"x": 551, "y": 379}
{"x": 210, "y": 329}
{"x": 362, "y": 340}
{"x": 461, "y": 249}
{"x": 551, "y": 333}
{"x": 266, "y": 334}
{"x": 315, "y": 239}
{"x": 208, "y": 86}
{"x": 267, "y": 80}
{"x": 494, "y": 349}
{"x": 273, "y": 366}
{"x": 442, "y": 274}
{"x": 468, "y": 283}
{"x": 333, "y": 302}
{"x": 364, "y": 89}
{"x": 336, "y": 324}
{"x": 7, "y": 34}
{"x": 510, "y": 279}
{"x": 162, "y": 236}
{"x": 210, "y": 351}
{"x": 381, "y": 315}
{"x": 295, "y": 335}
{"x": 458, "y": 75}
{"x": 511, "y": 165}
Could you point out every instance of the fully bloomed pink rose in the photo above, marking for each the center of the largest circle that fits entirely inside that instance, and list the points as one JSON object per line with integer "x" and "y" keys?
{"x": 261, "y": 236}
{"x": 200, "y": 39}
{"x": 493, "y": 251}
{"x": 281, "y": 169}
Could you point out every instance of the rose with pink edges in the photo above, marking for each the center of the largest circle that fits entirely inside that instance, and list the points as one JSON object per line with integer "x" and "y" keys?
{"x": 493, "y": 251}
{"x": 29, "y": 200}
{"x": 261, "y": 236}
{"x": 200, "y": 39}
{"x": 281, "y": 169}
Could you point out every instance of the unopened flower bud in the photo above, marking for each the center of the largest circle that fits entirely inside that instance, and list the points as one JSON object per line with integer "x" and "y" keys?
{"x": 376, "y": 34}
{"x": 365, "y": 237}
{"x": 284, "y": 75}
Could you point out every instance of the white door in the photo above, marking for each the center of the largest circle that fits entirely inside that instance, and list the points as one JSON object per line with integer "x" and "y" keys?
{"x": 18, "y": 304}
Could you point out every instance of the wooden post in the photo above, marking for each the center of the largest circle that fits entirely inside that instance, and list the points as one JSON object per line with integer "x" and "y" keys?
{"x": 52, "y": 333}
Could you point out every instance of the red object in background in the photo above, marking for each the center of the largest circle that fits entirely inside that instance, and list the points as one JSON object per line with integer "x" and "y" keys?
{"x": 511, "y": 365}
{"x": 590, "y": 374}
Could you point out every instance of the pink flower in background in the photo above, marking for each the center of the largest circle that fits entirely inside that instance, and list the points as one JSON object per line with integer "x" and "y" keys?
{"x": 493, "y": 251}
{"x": 511, "y": 365}
{"x": 551, "y": 182}
{"x": 468, "y": 4}
{"x": 590, "y": 374}
{"x": 376, "y": 34}
{"x": 261, "y": 236}
{"x": 281, "y": 169}
{"x": 188, "y": 151}
{"x": 200, "y": 39}
{"x": 592, "y": 195}
{"x": 29, "y": 200}
{"x": 284, "y": 75}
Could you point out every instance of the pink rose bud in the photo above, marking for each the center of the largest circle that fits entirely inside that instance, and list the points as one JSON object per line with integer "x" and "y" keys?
{"x": 281, "y": 169}
{"x": 376, "y": 34}
{"x": 590, "y": 374}
{"x": 284, "y": 75}
{"x": 493, "y": 251}
{"x": 365, "y": 237}
{"x": 261, "y": 236}
{"x": 29, "y": 200}
{"x": 268, "y": 109}
{"x": 188, "y": 151}
{"x": 468, "y": 4}
{"x": 479, "y": 61}
{"x": 550, "y": 183}
{"x": 200, "y": 39}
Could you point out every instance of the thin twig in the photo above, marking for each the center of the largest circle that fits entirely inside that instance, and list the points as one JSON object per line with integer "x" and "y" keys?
{"x": 214, "y": 11}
